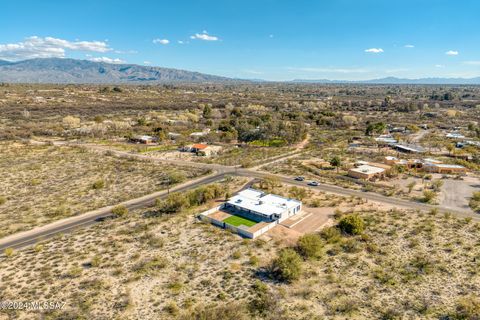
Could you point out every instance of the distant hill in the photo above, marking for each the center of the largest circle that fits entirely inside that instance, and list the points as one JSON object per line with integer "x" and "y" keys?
{"x": 393, "y": 80}
{"x": 56, "y": 70}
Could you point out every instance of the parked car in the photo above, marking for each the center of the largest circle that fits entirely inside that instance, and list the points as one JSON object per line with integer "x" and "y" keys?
{"x": 300, "y": 178}
{"x": 313, "y": 183}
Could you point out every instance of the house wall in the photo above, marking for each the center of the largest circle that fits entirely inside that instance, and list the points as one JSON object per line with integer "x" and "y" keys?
{"x": 359, "y": 175}
{"x": 440, "y": 169}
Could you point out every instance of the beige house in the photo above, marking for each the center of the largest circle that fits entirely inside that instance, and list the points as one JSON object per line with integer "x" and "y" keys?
{"x": 366, "y": 172}
{"x": 444, "y": 168}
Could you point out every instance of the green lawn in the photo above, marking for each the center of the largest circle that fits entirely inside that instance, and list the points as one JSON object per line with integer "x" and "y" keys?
{"x": 238, "y": 221}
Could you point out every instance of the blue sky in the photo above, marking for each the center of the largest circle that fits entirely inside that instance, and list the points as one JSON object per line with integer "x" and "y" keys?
{"x": 267, "y": 39}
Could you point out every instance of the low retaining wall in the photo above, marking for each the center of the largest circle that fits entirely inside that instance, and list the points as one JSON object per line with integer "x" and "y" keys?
{"x": 204, "y": 216}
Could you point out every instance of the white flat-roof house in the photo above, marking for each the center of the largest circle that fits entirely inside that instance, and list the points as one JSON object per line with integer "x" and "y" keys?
{"x": 259, "y": 206}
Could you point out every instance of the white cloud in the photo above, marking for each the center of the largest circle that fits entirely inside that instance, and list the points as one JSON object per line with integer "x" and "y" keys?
{"x": 330, "y": 70}
{"x": 270, "y": 36}
{"x": 451, "y": 53}
{"x": 374, "y": 50}
{"x": 204, "y": 36}
{"x": 472, "y": 63}
{"x": 161, "y": 41}
{"x": 252, "y": 71}
{"x": 48, "y": 47}
{"x": 147, "y": 63}
{"x": 409, "y": 46}
{"x": 397, "y": 70}
{"x": 107, "y": 60}
{"x": 439, "y": 66}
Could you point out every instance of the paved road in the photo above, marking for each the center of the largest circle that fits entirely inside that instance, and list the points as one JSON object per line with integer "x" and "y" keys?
{"x": 355, "y": 193}
{"x": 30, "y": 237}
{"x": 26, "y": 238}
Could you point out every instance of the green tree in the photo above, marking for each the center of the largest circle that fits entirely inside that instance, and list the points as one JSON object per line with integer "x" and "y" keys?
{"x": 174, "y": 203}
{"x": 352, "y": 224}
{"x": 207, "y": 111}
{"x": 336, "y": 162}
{"x": 310, "y": 245}
{"x": 287, "y": 266}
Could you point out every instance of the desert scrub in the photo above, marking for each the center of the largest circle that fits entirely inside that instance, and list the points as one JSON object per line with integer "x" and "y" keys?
{"x": 287, "y": 266}
{"x": 351, "y": 224}
{"x": 120, "y": 211}
{"x": 310, "y": 246}
{"x": 47, "y": 183}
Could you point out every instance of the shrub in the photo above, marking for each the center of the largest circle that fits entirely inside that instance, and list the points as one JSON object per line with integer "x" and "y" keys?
{"x": 287, "y": 266}
{"x": 352, "y": 224}
{"x": 227, "y": 311}
{"x": 428, "y": 196}
{"x": 2, "y": 200}
{"x": 265, "y": 303}
{"x": 9, "y": 252}
{"x": 99, "y": 184}
{"x": 176, "y": 177}
{"x": 237, "y": 254}
{"x": 172, "y": 308}
{"x": 468, "y": 308}
{"x": 120, "y": 211}
{"x": 310, "y": 245}
{"x": 331, "y": 235}
{"x": 174, "y": 203}
{"x": 253, "y": 261}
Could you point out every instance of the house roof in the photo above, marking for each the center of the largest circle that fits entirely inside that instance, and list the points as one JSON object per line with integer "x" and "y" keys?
{"x": 366, "y": 169}
{"x": 266, "y": 204}
{"x": 144, "y": 137}
{"x": 410, "y": 148}
{"x": 199, "y": 146}
{"x": 443, "y": 165}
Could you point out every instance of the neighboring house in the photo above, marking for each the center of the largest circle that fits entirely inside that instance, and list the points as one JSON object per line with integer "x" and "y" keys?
{"x": 386, "y": 138}
{"x": 408, "y": 148}
{"x": 174, "y": 135}
{"x": 209, "y": 151}
{"x": 427, "y": 164}
{"x": 198, "y": 147}
{"x": 443, "y": 168}
{"x": 143, "y": 139}
{"x": 202, "y": 149}
{"x": 455, "y": 135}
{"x": 408, "y": 164}
{"x": 199, "y": 134}
{"x": 366, "y": 172}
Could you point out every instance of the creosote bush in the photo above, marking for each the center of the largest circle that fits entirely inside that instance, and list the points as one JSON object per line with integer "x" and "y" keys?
{"x": 99, "y": 184}
{"x": 287, "y": 266}
{"x": 120, "y": 211}
{"x": 352, "y": 224}
{"x": 310, "y": 246}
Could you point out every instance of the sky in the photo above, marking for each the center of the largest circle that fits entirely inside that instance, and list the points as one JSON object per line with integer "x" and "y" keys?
{"x": 254, "y": 39}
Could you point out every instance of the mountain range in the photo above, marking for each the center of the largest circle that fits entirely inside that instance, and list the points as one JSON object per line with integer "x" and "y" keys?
{"x": 394, "y": 80}
{"x": 58, "y": 70}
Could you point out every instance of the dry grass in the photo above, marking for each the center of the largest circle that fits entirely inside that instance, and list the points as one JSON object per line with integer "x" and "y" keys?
{"x": 133, "y": 267}
{"x": 407, "y": 265}
{"x": 41, "y": 184}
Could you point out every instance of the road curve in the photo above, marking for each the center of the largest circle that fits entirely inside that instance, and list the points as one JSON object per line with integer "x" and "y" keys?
{"x": 30, "y": 237}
